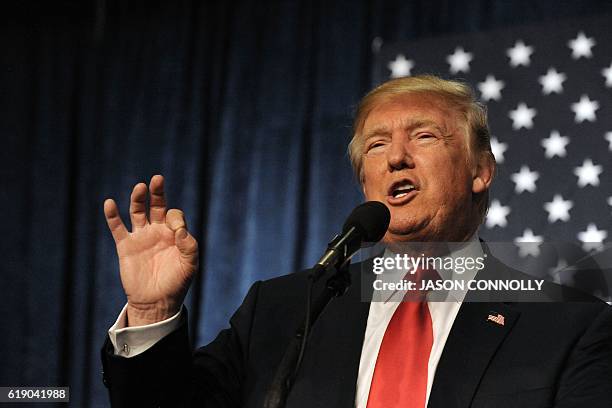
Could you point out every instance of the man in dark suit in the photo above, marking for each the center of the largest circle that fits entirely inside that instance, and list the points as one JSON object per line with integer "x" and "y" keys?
{"x": 420, "y": 146}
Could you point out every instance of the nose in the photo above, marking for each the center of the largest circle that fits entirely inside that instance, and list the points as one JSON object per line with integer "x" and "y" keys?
{"x": 398, "y": 154}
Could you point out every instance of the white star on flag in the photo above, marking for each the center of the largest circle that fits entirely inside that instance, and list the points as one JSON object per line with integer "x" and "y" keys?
{"x": 552, "y": 81}
{"x": 400, "y": 67}
{"x": 498, "y": 149}
{"x": 555, "y": 145}
{"x": 610, "y": 201}
{"x": 491, "y": 88}
{"x": 459, "y": 61}
{"x": 528, "y": 244}
{"x": 497, "y": 214}
{"x": 558, "y": 209}
{"x": 522, "y": 116}
{"x": 581, "y": 46}
{"x": 588, "y": 173}
{"x": 585, "y": 109}
{"x": 607, "y": 73}
{"x": 525, "y": 180}
{"x": 608, "y": 137}
{"x": 520, "y": 54}
{"x": 592, "y": 238}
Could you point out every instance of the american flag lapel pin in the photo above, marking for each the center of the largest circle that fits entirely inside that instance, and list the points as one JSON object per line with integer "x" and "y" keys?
{"x": 496, "y": 318}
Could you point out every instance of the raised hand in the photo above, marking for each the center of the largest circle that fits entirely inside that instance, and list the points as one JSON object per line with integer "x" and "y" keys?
{"x": 158, "y": 259}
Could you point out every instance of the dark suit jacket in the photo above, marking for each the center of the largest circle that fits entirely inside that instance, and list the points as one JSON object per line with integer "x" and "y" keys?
{"x": 545, "y": 355}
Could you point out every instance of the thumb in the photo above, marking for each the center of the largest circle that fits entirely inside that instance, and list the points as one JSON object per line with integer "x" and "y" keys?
{"x": 185, "y": 242}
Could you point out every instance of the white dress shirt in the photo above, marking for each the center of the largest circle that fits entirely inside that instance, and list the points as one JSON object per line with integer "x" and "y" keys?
{"x": 131, "y": 341}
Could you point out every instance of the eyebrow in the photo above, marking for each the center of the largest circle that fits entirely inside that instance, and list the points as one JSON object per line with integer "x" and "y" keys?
{"x": 406, "y": 124}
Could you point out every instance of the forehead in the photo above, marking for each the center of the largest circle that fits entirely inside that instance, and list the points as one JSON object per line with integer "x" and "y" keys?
{"x": 413, "y": 111}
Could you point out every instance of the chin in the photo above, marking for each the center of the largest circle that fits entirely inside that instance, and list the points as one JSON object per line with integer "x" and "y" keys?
{"x": 406, "y": 233}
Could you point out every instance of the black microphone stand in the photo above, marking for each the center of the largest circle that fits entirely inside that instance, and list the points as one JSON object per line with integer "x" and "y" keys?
{"x": 287, "y": 370}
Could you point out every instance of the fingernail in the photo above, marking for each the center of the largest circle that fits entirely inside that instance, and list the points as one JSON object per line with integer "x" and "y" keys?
{"x": 182, "y": 234}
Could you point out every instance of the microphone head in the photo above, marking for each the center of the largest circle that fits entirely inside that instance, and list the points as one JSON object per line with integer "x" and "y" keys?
{"x": 371, "y": 219}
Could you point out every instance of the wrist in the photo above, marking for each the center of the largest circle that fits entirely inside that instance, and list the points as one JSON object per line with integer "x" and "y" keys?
{"x": 145, "y": 314}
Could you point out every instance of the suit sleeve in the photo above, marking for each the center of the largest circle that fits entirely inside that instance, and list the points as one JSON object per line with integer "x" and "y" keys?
{"x": 170, "y": 375}
{"x": 586, "y": 380}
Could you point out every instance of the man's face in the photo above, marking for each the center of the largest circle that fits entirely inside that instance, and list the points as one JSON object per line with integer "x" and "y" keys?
{"x": 416, "y": 162}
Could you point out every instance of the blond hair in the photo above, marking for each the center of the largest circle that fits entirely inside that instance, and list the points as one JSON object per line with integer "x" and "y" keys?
{"x": 458, "y": 95}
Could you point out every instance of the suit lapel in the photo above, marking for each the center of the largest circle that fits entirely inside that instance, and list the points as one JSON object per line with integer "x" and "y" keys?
{"x": 471, "y": 344}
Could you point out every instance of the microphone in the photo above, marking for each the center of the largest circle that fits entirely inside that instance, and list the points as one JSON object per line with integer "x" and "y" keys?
{"x": 367, "y": 222}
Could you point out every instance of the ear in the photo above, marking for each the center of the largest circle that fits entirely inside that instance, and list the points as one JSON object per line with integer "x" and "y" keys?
{"x": 483, "y": 173}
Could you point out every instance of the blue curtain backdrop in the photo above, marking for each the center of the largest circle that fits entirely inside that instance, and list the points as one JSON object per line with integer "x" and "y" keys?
{"x": 244, "y": 106}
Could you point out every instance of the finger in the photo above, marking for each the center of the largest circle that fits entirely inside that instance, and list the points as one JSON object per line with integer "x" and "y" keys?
{"x": 113, "y": 219}
{"x": 184, "y": 241}
{"x": 175, "y": 220}
{"x": 157, "y": 200}
{"x": 186, "y": 244}
{"x": 138, "y": 207}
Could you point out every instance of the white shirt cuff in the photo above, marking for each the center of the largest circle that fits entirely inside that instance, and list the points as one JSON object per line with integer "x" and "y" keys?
{"x": 132, "y": 341}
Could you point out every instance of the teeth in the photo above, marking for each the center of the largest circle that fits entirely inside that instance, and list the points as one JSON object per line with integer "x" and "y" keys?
{"x": 402, "y": 190}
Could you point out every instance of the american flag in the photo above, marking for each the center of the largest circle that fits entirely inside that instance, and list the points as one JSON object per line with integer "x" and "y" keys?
{"x": 497, "y": 318}
{"x": 548, "y": 91}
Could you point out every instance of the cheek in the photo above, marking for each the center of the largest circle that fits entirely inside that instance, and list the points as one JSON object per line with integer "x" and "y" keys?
{"x": 370, "y": 190}
{"x": 372, "y": 177}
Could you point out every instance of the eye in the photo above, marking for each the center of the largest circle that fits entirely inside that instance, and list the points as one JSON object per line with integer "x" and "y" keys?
{"x": 425, "y": 138}
{"x": 375, "y": 146}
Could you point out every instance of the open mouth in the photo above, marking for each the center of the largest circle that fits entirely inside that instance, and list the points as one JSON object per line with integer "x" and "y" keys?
{"x": 400, "y": 191}
{"x": 401, "y": 188}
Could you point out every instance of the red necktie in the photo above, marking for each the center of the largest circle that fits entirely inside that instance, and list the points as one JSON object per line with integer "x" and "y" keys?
{"x": 400, "y": 374}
